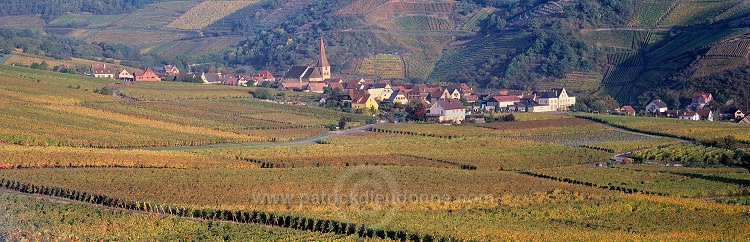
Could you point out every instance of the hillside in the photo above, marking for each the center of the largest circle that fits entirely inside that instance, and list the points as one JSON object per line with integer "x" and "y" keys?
{"x": 631, "y": 50}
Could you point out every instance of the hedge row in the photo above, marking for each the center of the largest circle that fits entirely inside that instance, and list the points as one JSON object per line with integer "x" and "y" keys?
{"x": 254, "y": 217}
{"x": 572, "y": 181}
{"x": 387, "y": 131}
{"x": 263, "y": 164}
{"x": 459, "y": 165}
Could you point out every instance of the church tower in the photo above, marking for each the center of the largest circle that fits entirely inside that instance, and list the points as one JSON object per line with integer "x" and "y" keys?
{"x": 325, "y": 68}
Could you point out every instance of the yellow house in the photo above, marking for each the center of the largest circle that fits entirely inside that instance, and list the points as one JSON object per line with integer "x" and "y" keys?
{"x": 364, "y": 102}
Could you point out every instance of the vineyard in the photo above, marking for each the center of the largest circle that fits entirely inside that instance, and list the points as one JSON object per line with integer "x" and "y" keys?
{"x": 55, "y": 221}
{"x": 650, "y": 13}
{"x": 724, "y": 56}
{"x": 146, "y": 91}
{"x": 632, "y": 145}
{"x": 27, "y": 21}
{"x": 675, "y": 127}
{"x": 576, "y": 82}
{"x": 145, "y": 37}
{"x": 200, "y": 47}
{"x": 386, "y": 66}
{"x": 65, "y": 110}
{"x": 423, "y": 23}
{"x": 473, "y": 23}
{"x": 383, "y": 12}
{"x": 360, "y": 7}
{"x": 695, "y": 12}
{"x": 479, "y": 51}
{"x": 156, "y": 15}
{"x": 82, "y": 20}
{"x": 208, "y": 12}
{"x": 689, "y": 155}
{"x": 587, "y": 139}
{"x": 665, "y": 183}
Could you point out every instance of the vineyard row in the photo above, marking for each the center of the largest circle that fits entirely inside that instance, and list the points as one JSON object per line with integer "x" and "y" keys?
{"x": 251, "y": 217}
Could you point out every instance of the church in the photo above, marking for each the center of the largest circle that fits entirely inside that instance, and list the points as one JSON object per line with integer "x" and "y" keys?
{"x": 320, "y": 72}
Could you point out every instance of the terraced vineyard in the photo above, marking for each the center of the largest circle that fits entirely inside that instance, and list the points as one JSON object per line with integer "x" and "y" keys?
{"x": 145, "y": 37}
{"x": 479, "y": 51}
{"x": 576, "y": 82}
{"x": 27, "y": 21}
{"x": 208, "y": 12}
{"x": 80, "y": 20}
{"x": 200, "y": 47}
{"x": 383, "y": 66}
{"x": 156, "y": 15}
{"x": 650, "y": 13}
{"x": 473, "y": 23}
{"x": 423, "y": 23}
{"x": 692, "y": 12}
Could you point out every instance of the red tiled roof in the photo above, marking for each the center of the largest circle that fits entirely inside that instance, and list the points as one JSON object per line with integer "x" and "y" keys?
{"x": 451, "y": 104}
{"x": 506, "y": 98}
{"x": 629, "y": 109}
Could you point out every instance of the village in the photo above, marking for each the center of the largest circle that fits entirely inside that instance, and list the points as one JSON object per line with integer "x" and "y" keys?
{"x": 451, "y": 103}
{"x": 699, "y": 109}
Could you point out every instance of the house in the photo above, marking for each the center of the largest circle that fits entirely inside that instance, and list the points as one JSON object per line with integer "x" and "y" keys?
{"x": 673, "y": 113}
{"x": 171, "y": 70}
{"x": 745, "y": 120}
{"x": 557, "y": 99}
{"x": 707, "y": 115}
{"x": 398, "y": 97}
{"x": 447, "y": 110}
{"x": 267, "y": 76}
{"x": 125, "y": 76}
{"x": 503, "y": 102}
{"x": 316, "y": 87}
{"x": 471, "y": 98}
{"x": 701, "y": 99}
{"x": 336, "y": 85}
{"x": 732, "y": 112}
{"x": 319, "y": 72}
{"x": 657, "y": 106}
{"x": 628, "y": 110}
{"x": 103, "y": 71}
{"x": 380, "y": 91}
{"x": 530, "y": 106}
{"x": 147, "y": 75}
{"x": 690, "y": 116}
{"x": 363, "y": 101}
{"x": 439, "y": 94}
{"x": 212, "y": 78}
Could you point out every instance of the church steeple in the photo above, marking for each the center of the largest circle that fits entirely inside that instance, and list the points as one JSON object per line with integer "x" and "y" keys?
{"x": 325, "y": 68}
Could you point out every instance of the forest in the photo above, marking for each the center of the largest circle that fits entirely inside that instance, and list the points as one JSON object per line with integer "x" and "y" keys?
{"x": 50, "y": 9}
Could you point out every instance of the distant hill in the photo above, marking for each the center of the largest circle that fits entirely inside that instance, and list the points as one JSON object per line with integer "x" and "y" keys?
{"x": 631, "y": 50}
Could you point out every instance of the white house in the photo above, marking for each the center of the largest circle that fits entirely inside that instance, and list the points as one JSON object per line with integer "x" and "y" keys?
{"x": 690, "y": 116}
{"x": 706, "y": 115}
{"x": 657, "y": 106}
{"x": 557, "y": 99}
{"x": 398, "y": 97}
{"x": 103, "y": 71}
{"x": 380, "y": 91}
{"x": 448, "y": 110}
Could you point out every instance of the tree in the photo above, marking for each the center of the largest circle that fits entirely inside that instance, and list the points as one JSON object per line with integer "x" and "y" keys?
{"x": 416, "y": 111}
{"x": 262, "y": 93}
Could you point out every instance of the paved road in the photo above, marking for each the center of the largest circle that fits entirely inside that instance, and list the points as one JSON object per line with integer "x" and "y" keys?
{"x": 312, "y": 140}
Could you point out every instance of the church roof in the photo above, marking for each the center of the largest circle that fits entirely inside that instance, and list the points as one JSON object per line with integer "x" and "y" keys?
{"x": 323, "y": 60}
{"x": 296, "y": 72}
